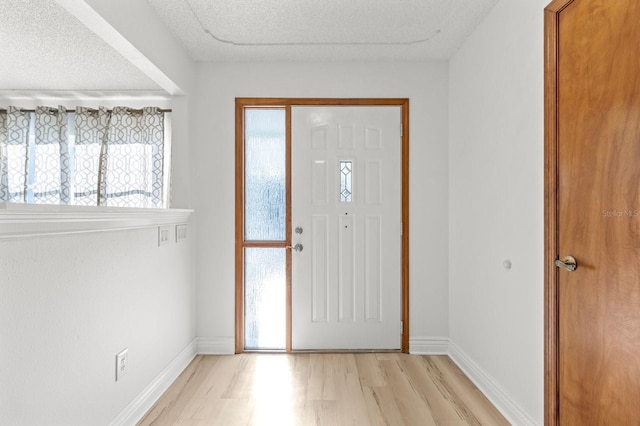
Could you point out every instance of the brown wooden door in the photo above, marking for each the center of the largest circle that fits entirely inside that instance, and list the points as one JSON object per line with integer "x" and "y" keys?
{"x": 594, "y": 168}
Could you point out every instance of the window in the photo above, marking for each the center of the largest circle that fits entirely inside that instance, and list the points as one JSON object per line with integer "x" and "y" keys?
{"x": 89, "y": 157}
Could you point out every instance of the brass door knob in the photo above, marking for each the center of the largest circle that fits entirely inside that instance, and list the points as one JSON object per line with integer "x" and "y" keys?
{"x": 569, "y": 263}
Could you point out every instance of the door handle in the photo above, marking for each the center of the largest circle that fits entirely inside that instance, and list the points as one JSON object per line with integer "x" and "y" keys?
{"x": 569, "y": 263}
{"x": 298, "y": 247}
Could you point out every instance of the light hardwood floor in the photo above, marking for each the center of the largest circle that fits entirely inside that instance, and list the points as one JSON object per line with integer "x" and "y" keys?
{"x": 323, "y": 389}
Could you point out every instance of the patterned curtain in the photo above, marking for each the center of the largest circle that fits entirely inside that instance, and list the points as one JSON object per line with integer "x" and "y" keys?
{"x": 51, "y": 172}
{"x": 132, "y": 162}
{"x": 14, "y": 142}
{"x": 3, "y": 157}
{"x": 91, "y": 135}
{"x": 115, "y": 159}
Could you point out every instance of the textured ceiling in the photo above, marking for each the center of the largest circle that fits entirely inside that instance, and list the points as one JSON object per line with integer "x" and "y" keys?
{"x": 314, "y": 30}
{"x": 43, "y": 47}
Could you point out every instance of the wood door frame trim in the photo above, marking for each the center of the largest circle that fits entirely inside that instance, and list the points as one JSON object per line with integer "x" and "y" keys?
{"x": 551, "y": 294}
{"x": 287, "y": 103}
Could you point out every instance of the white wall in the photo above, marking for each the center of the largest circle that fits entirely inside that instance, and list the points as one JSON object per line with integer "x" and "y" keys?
{"x": 69, "y": 304}
{"x": 496, "y": 201}
{"x": 426, "y": 84}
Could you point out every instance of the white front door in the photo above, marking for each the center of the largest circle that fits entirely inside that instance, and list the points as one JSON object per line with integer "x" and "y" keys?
{"x": 346, "y": 215}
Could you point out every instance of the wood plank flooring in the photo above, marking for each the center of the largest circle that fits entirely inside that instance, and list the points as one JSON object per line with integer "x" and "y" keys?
{"x": 323, "y": 389}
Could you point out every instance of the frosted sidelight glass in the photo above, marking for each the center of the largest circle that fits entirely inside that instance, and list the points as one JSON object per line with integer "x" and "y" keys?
{"x": 265, "y": 282}
{"x": 265, "y": 174}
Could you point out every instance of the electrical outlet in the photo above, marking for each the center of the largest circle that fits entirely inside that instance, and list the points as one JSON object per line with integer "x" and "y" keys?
{"x": 181, "y": 232}
{"x": 122, "y": 363}
{"x": 164, "y": 235}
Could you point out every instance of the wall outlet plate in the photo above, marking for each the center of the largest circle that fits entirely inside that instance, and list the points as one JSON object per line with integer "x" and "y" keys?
{"x": 122, "y": 364}
{"x": 164, "y": 235}
{"x": 181, "y": 232}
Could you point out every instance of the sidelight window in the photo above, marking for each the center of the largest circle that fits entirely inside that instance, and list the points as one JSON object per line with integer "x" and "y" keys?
{"x": 265, "y": 229}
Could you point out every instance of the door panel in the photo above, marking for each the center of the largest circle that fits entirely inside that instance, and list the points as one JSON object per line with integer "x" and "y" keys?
{"x": 598, "y": 196}
{"x": 346, "y": 198}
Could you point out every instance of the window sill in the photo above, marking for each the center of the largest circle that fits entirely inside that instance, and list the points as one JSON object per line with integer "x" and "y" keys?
{"x": 33, "y": 220}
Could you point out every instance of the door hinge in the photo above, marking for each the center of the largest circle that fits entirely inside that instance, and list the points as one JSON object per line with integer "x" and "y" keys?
{"x": 401, "y": 130}
{"x": 401, "y": 327}
{"x": 401, "y": 228}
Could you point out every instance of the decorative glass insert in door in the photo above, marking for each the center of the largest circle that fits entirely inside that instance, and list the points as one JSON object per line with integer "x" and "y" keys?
{"x": 346, "y": 181}
{"x": 264, "y": 224}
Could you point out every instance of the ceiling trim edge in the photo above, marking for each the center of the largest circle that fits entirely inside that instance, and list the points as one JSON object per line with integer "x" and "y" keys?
{"x": 267, "y": 44}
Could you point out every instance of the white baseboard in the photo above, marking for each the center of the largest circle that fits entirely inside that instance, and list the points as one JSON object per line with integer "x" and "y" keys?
{"x": 216, "y": 345}
{"x": 488, "y": 386}
{"x": 429, "y": 345}
{"x": 137, "y": 408}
